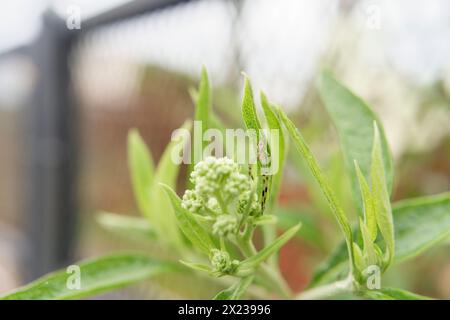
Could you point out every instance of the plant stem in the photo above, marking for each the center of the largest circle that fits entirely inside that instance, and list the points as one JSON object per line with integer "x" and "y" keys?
{"x": 269, "y": 236}
{"x": 326, "y": 291}
{"x": 252, "y": 290}
{"x": 271, "y": 277}
{"x": 222, "y": 204}
{"x": 275, "y": 280}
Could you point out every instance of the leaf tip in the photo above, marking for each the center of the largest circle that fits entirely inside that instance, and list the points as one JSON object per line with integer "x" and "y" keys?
{"x": 165, "y": 187}
{"x": 133, "y": 135}
{"x": 296, "y": 227}
{"x": 247, "y": 83}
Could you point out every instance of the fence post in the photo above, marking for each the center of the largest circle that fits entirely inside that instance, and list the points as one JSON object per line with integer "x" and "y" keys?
{"x": 50, "y": 186}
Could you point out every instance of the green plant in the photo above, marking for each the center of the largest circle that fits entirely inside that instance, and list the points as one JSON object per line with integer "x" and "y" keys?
{"x": 210, "y": 229}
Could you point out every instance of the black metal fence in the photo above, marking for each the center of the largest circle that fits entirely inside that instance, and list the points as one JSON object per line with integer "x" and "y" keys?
{"x": 50, "y": 199}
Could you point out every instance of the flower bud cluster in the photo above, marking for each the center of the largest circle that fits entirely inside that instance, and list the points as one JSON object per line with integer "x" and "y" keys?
{"x": 222, "y": 192}
{"x": 222, "y": 263}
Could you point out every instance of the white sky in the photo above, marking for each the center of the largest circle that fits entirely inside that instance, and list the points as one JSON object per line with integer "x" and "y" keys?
{"x": 19, "y": 19}
{"x": 281, "y": 40}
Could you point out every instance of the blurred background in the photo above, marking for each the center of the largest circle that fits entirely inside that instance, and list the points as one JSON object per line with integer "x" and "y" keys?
{"x": 75, "y": 76}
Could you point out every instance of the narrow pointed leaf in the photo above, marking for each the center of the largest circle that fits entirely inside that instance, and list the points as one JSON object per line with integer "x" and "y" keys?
{"x": 203, "y": 113}
{"x": 167, "y": 170}
{"x": 420, "y": 223}
{"x": 203, "y": 105}
{"x": 369, "y": 253}
{"x": 274, "y": 124}
{"x": 236, "y": 291}
{"x": 382, "y": 203}
{"x": 98, "y": 275}
{"x": 265, "y": 253}
{"x": 359, "y": 259}
{"x": 251, "y": 120}
{"x": 167, "y": 173}
{"x": 197, "y": 266}
{"x": 141, "y": 168}
{"x": 353, "y": 120}
{"x": 127, "y": 225}
{"x": 306, "y": 153}
{"x": 189, "y": 226}
{"x": 393, "y": 294}
{"x": 250, "y": 117}
{"x": 203, "y": 100}
{"x": 368, "y": 205}
{"x": 249, "y": 113}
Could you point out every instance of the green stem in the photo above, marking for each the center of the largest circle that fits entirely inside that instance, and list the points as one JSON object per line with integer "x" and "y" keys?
{"x": 275, "y": 280}
{"x": 270, "y": 276}
{"x": 222, "y": 204}
{"x": 252, "y": 290}
{"x": 269, "y": 236}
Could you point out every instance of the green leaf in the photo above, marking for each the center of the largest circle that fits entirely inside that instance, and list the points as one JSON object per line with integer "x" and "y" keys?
{"x": 236, "y": 291}
{"x": 203, "y": 101}
{"x": 205, "y": 221}
{"x": 265, "y": 219}
{"x": 369, "y": 253}
{"x": 382, "y": 204}
{"x": 333, "y": 268}
{"x": 167, "y": 172}
{"x": 392, "y": 294}
{"x": 203, "y": 106}
{"x": 127, "y": 225}
{"x": 353, "y": 120}
{"x": 251, "y": 120}
{"x": 253, "y": 261}
{"x": 250, "y": 117}
{"x": 142, "y": 171}
{"x": 249, "y": 114}
{"x": 419, "y": 224}
{"x": 274, "y": 124}
{"x": 98, "y": 275}
{"x": 188, "y": 225}
{"x": 359, "y": 259}
{"x": 203, "y": 114}
{"x": 197, "y": 266}
{"x": 307, "y": 155}
{"x": 368, "y": 204}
